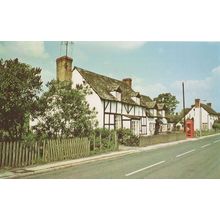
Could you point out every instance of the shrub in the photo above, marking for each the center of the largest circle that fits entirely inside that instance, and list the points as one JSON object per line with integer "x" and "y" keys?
{"x": 107, "y": 138}
{"x": 126, "y": 137}
{"x": 216, "y": 125}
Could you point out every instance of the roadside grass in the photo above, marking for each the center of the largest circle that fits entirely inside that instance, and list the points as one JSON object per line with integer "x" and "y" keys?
{"x": 207, "y": 133}
{"x": 98, "y": 151}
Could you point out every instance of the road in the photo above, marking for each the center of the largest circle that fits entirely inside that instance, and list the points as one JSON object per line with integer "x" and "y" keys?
{"x": 190, "y": 160}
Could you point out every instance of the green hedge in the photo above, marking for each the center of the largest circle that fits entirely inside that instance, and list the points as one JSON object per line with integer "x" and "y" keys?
{"x": 126, "y": 137}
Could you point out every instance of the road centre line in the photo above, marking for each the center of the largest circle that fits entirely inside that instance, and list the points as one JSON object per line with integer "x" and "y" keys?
{"x": 205, "y": 145}
{"x": 145, "y": 168}
{"x": 180, "y": 155}
{"x": 216, "y": 141}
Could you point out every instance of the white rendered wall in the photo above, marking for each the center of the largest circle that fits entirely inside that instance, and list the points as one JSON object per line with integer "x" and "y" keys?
{"x": 93, "y": 99}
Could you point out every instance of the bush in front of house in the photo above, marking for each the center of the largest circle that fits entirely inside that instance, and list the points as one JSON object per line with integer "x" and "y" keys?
{"x": 102, "y": 138}
{"x": 216, "y": 125}
{"x": 126, "y": 137}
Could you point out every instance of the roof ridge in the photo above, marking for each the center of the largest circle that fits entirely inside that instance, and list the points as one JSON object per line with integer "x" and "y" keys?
{"x": 103, "y": 85}
{"x": 99, "y": 74}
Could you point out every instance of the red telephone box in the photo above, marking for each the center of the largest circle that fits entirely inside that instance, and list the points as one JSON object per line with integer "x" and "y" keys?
{"x": 189, "y": 128}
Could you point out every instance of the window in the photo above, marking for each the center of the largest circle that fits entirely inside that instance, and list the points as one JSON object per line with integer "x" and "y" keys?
{"x": 152, "y": 128}
{"x": 117, "y": 121}
{"x": 135, "y": 127}
{"x": 117, "y": 95}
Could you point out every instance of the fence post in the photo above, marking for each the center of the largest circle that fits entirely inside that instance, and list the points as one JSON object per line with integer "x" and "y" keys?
{"x": 116, "y": 140}
{"x": 100, "y": 141}
{"x": 109, "y": 140}
{"x": 94, "y": 142}
{"x": 2, "y": 156}
{"x": 44, "y": 151}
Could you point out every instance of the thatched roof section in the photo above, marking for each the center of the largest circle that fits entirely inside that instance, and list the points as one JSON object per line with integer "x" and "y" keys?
{"x": 104, "y": 85}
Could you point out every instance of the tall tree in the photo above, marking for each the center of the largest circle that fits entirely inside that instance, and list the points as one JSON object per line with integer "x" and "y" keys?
{"x": 169, "y": 100}
{"x": 20, "y": 85}
{"x": 64, "y": 111}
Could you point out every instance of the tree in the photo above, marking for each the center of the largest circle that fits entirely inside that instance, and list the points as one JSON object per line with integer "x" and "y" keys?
{"x": 20, "y": 85}
{"x": 216, "y": 125}
{"x": 169, "y": 100}
{"x": 64, "y": 111}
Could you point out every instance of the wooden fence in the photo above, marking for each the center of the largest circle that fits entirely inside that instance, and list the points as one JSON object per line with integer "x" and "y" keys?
{"x": 18, "y": 154}
{"x": 108, "y": 142}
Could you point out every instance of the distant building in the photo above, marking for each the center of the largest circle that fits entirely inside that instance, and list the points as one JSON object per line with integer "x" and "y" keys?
{"x": 202, "y": 114}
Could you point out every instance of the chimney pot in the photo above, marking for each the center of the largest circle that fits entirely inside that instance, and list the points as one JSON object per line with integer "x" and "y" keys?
{"x": 197, "y": 103}
{"x": 209, "y": 104}
{"x": 128, "y": 81}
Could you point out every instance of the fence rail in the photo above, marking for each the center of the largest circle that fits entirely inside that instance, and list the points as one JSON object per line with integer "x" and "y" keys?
{"x": 19, "y": 154}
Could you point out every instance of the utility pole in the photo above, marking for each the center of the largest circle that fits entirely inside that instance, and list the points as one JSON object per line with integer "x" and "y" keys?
{"x": 184, "y": 106}
{"x": 200, "y": 116}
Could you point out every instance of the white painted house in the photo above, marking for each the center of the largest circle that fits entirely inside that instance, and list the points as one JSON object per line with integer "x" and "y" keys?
{"x": 116, "y": 103}
{"x": 202, "y": 114}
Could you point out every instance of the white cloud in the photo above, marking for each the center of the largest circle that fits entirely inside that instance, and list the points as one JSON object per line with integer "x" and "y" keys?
{"x": 23, "y": 49}
{"x": 204, "y": 89}
{"x": 152, "y": 90}
{"x": 216, "y": 70}
{"x": 125, "y": 45}
{"x": 120, "y": 45}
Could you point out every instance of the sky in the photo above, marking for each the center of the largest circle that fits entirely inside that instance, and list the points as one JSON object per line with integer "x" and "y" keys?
{"x": 155, "y": 67}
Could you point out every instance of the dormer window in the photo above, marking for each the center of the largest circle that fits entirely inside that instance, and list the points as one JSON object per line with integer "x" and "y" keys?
{"x": 117, "y": 93}
{"x": 118, "y": 96}
{"x": 136, "y": 98}
{"x": 152, "y": 111}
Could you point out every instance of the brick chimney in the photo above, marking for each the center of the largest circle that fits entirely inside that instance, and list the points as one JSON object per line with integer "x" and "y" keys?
{"x": 64, "y": 68}
{"x": 209, "y": 104}
{"x": 197, "y": 103}
{"x": 128, "y": 81}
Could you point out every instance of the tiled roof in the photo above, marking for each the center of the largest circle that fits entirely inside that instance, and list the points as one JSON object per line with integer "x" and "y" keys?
{"x": 151, "y": 104}
{"x": 145, "y": 99}
{"x": 104, "y": 85}
{"x": 209, "y": 109}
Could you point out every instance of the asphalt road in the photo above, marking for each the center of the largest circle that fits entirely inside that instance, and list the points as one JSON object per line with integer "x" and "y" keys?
{"x": 190, "y": 160}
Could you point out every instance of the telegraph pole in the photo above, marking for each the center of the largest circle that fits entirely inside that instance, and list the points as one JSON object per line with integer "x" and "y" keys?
{"x": 184, "y": 106}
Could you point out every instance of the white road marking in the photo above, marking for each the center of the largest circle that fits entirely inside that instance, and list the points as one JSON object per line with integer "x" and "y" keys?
{"x": 216, "y": 141}
{"x": 205, "y": 145}
{"x": 180, "y": 155}
{"x": 145, "y": 168}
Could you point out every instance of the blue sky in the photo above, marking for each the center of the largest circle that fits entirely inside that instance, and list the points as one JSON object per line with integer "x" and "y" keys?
{"x": 155, "y": 67}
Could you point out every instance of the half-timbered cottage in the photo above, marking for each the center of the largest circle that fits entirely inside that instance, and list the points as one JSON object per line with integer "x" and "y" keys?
{"x": 116, "y": 103}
